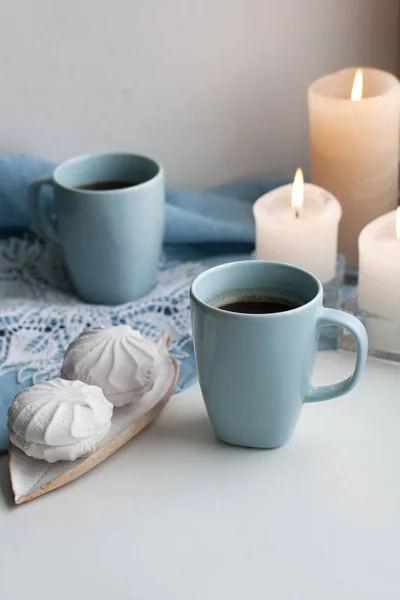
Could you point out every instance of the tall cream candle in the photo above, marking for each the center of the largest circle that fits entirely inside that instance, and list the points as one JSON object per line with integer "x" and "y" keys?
{"x": 354, "y": 146}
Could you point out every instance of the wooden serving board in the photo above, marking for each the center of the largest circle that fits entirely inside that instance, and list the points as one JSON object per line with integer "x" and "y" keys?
{"x": 31, "y": 478}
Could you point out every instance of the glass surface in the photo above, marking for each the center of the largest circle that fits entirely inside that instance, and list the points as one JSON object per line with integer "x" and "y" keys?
{"x": 383, "y": 334}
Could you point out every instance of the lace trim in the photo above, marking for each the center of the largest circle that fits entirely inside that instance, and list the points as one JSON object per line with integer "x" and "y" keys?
{"x": 40, "y": 316}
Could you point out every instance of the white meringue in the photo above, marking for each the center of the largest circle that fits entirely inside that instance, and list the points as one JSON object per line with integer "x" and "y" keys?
{"x": 59, "y": 419}
{"x": 118, "y": 359}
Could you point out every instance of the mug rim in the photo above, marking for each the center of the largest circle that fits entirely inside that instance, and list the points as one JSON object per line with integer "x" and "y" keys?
{"x": 214, "y": 310}
{"x": 77, "y": 159}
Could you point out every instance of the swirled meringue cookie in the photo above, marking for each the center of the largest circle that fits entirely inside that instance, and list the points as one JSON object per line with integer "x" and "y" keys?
{"x": 118, "y": 359}
{"x": 59, "y": 419}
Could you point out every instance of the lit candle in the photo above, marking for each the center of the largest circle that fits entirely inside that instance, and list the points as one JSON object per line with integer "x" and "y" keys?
{"x": 298, "y": 224}
{"x": 379, "y": 275}
{"x": 354, "y": 146}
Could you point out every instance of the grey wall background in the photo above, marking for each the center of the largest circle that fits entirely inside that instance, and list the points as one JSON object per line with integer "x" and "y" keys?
{"x": 216, "y": 89}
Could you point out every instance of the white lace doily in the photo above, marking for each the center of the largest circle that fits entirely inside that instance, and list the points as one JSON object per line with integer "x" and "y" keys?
{"x": 40, "y": 316}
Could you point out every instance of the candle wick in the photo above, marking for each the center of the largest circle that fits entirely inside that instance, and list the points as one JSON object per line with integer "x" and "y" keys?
{"x": 296, "y": 213}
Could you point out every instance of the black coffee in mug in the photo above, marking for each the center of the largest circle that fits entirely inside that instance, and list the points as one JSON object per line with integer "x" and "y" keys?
{"x": 102, "y": 186}
{"x": 257, "y": 304}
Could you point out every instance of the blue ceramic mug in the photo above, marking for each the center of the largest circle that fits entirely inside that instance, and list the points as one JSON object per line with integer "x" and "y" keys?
{"x": 255, "y": 369}
{"x": 109, "y": 221}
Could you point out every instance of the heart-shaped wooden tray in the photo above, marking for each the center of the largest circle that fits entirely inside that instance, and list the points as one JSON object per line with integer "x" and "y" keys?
{"x": 31, "y": 478}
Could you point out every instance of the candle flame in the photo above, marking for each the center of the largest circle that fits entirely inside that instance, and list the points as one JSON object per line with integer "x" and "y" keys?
{"x": 398, "y": 223}
{"x": 298, "y": 192}
{"x": 357, "y": 90}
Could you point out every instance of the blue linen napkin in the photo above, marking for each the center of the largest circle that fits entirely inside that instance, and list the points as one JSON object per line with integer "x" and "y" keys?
{"x": 222, "y": 215}
{"x": 211, "y": 226}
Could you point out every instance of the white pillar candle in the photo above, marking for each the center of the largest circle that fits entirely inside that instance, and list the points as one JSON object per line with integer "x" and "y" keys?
{"x": 302, "y": 234}
{"x": 379, "y": 274}
{"x": 354, "y": 146}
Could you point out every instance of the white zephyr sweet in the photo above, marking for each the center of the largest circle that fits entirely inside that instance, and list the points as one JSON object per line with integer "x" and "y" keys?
{"x": 119, "y": 360}
{"x": 59, "y": 419}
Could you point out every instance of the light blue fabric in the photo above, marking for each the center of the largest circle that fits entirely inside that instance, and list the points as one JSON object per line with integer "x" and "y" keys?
{"x": 222, "y": 215}
{"x": 211, "y": 226}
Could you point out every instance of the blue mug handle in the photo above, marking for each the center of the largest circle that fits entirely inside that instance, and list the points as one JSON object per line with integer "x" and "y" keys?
{"x": 41, "y": 224}
{"x": 329, "y": 316}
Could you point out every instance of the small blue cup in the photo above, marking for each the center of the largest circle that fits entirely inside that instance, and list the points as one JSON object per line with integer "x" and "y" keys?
{"x": 255, "y": 369}
{"x": 111, "y": 239}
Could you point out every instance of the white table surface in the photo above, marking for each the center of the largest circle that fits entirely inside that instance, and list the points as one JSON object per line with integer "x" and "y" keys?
{"x": 176, "y": 515}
